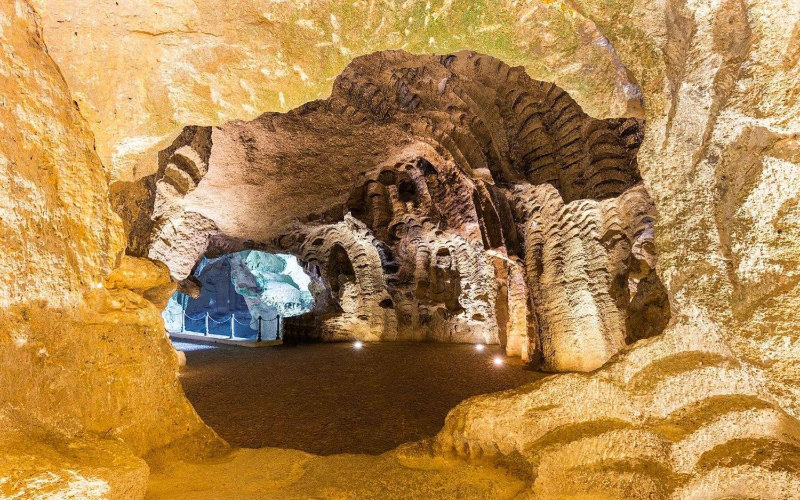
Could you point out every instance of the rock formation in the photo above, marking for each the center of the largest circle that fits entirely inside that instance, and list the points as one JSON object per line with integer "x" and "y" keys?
{"x": 414, "y": 192}
{"x": 248, "y": 285}
{"x": 706, "y": 410}
{"x": 84, "y": 362}
{"x": 678, "y": 417}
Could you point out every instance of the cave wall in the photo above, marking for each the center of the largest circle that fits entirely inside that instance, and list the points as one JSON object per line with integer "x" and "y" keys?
{"x": 83, "y": 356}
{"x": 708, "y": 410}
{"x": 720, "y": 159}
{"x": 397, "y": 192}
{"x": 208, "y": 62}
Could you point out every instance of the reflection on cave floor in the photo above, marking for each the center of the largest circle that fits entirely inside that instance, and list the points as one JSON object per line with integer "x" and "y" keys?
{"x": 331, "y": 398}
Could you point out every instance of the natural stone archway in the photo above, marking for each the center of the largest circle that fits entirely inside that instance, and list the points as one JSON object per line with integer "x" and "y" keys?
{"x": 438, "y": 185}
{"x": 349, "y": 269}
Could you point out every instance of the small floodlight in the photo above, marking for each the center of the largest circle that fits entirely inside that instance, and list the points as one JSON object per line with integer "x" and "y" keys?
{"x": 498, "y": 361}
{"x": 357, "y": 344}
{"x": 479, "y": 347}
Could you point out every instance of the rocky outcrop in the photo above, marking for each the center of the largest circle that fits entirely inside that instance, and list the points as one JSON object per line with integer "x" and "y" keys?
{"x": 676, "y": 416}
{"x": 581, "y": 260}
{"x": 88, "y": 379}
{"x": 172, "y": 64}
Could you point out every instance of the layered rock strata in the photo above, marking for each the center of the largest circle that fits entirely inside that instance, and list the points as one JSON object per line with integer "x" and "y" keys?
{"x": 88, "y": 379}
{"x": 719, "y": 158}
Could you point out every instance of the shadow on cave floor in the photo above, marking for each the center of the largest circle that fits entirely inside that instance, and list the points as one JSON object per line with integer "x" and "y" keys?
{"x": 331, "y": 398}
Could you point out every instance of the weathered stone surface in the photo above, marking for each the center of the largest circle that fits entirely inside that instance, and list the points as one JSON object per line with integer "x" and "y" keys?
{"x": 83, "y": 354}
{"x": 407, "y": 223}
{"x": 676, "y": 416}
{"x": 167, "y": 64}
{"x": 38, "y": 465}
{"x": 581, "y": 260}
{"x": 720, "y": 158}
{"x": 408, "y": 473}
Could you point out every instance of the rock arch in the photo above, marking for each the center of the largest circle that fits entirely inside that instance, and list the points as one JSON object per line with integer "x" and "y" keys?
{"x": 422, "y": 172}
{"x": 349, "y": 269}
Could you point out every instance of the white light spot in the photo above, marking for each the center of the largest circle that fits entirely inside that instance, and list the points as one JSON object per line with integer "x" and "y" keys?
{"x": 357, "y": 344}
{"x": 479, "y": 347}
{"x": 19, "y": 339}
{"x": 498, "y": 361}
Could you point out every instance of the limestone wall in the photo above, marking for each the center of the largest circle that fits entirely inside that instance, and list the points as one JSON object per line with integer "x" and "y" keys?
{"x": 167, "y": 64}
{"x": 83, "y": 354}
{"x": 397, "y": 194}
{"x": 720, "y": 158}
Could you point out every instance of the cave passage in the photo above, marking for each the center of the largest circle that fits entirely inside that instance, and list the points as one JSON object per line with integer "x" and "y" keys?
{"x": 238, "y": 295}
{"x": 443, "y": 199}
{"x": 332, "y": 398}
{"x": 320, "y": 398}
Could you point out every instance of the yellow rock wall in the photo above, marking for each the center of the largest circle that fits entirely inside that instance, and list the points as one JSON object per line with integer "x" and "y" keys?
{"x": 720, "y": 158}
{"x": 80, "y": 355}
{"x": 141, "y": 70}
{"x": 719, "y": 82}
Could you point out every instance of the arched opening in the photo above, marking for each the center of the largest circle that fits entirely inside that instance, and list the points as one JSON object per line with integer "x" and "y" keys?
{"x": 243, "y": 296}
{"x": 489, "y": 217}
{"x": 341, "y": 275}
{"x": 90, "y": 386}
{"x": 445, "y": 281}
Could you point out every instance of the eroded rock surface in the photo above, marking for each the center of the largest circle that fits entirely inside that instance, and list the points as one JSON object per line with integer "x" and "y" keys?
{"x": 413, "y": 193}
{"x": 676, "y": 417}
{"x": 168, "y": 64}
{"x": 88, "y": 380}
{"x": 719, "y": 158}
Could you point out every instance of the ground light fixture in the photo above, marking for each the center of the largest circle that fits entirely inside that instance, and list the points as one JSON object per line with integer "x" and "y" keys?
{"x": 479, "y": 347}
{"x": 498, "y": 361}
{"x": 358, "y": 344}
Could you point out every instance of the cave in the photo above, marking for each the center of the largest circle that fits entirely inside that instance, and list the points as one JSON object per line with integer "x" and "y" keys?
{"x": 426, "y": 250}
{"x": 242, "y": 295}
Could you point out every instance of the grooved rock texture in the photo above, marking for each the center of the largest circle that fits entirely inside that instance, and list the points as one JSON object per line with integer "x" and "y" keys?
{"x": 678, "y": 416}
{"x": 579, "y": 259}
{"x": 399, "y": 202}
{"x": 84, "y": 362}
{"x": 720, "y": 159}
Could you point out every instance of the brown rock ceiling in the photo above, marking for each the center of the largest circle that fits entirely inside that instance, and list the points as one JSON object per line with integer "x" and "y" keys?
{"x": 397, "y": 194}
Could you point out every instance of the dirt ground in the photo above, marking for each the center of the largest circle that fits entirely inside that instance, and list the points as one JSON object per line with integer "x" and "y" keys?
{"x": 332, "y": 398}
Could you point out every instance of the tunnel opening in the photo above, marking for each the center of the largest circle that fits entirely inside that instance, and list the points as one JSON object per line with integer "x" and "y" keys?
{"x": 242, "y": 296}
{"x": 524, "y": 234}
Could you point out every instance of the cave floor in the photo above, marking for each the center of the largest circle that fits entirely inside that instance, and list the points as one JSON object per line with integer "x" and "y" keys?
{"x": 330, "y": 398}
{"x": 270, "y": 473}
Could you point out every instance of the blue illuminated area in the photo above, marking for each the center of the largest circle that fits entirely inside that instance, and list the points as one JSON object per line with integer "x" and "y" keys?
{"x": 241, "y": 292}
{"x": 191, "y": 346}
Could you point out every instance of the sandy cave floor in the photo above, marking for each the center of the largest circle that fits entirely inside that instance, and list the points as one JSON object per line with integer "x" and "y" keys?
{"x": 330, "y": 398}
